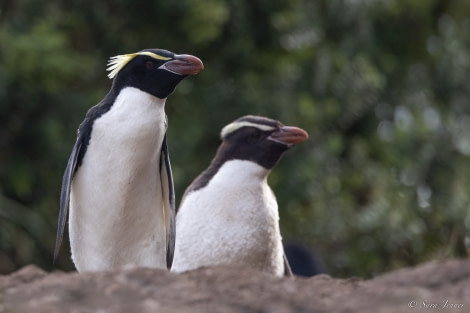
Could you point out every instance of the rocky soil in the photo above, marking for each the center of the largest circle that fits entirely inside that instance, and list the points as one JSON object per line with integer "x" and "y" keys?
{"x": 435, "y": 286}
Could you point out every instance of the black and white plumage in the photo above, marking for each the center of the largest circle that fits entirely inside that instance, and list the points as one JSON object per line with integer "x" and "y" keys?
{"x": 118, "y": 183}
{"x": 229, "y": 214}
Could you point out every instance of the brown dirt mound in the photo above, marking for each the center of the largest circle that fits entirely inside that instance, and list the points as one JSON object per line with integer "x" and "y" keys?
{"x": 435, "y": 286}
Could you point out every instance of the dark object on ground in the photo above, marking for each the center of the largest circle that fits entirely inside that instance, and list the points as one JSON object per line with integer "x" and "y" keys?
{"x": 302, "y": 261}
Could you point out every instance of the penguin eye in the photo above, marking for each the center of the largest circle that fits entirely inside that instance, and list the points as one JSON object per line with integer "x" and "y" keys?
{"x": 254, "y": 136}
{"x": 149, "y": 65}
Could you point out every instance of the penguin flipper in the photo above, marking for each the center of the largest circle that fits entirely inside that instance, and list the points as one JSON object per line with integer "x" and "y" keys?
{"x": 168, "y": 202}
{"x": 65, "y": 194}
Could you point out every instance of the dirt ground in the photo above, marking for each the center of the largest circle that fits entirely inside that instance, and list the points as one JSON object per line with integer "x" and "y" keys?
{"x": 431, "y": 287}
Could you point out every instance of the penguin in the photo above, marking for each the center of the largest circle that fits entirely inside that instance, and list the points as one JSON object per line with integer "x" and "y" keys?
{"x": 229, "y": 214}
{"x": 118, "y": 185}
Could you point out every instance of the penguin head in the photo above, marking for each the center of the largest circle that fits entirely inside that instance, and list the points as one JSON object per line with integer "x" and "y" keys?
{"x": 258, "y": 139}
{"x": 154, "y": 71}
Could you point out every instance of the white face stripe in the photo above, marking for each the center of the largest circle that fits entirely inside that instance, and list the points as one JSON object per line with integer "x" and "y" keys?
{"x": 230, "y": 128}
{"x": 116, "y": 63}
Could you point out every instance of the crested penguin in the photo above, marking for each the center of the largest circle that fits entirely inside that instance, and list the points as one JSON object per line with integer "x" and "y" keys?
{"x": 229, "y": 214}
{"x": 118, "y": 182}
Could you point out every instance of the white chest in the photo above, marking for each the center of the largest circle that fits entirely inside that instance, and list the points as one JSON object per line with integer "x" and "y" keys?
{"x": 233, "y": 220}
{"x": 115, "y": 205}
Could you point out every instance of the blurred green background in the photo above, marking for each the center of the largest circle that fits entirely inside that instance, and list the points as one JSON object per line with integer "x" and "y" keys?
{"x": 382, "y": 87}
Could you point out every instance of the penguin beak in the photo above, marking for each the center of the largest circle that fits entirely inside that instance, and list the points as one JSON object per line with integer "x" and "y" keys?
{"x": 289, "y": 135}
{"x": 184, "y": 64}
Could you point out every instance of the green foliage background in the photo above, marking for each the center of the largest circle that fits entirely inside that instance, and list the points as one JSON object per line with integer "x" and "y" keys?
{"x": 382, "y": 87}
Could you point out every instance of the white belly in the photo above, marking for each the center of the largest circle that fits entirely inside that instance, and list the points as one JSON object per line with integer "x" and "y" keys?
{"x": 116, "y": 216}
{"x": 233, "y": 220}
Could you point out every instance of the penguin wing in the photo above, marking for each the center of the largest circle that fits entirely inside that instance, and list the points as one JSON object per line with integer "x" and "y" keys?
{"x": 65, "y": 193}
{"x": 168, "y": 192}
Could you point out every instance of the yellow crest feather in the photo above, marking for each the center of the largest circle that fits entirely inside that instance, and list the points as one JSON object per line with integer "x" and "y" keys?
{"x": 116, "y": 63}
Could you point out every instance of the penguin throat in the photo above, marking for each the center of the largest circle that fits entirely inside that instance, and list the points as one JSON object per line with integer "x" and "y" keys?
{"x": 238, "y": 173}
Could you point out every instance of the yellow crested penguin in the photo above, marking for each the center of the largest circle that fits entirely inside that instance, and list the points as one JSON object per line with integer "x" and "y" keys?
{"x": 118, "y": 181}
{"x": 229, "y": 214}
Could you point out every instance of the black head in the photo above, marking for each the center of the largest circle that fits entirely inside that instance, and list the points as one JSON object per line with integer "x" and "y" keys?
{"x": 253, "y": 138}
{"x": 155, "y": 71}
{"x": 258, "y": 139}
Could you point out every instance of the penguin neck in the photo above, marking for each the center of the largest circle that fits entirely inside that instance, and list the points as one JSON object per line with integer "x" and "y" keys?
{"x": 244, "y": 171}
{"x": 136, "y": 119}
{"x": 131, "y": 95}
{"x": 223, "y": 171}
